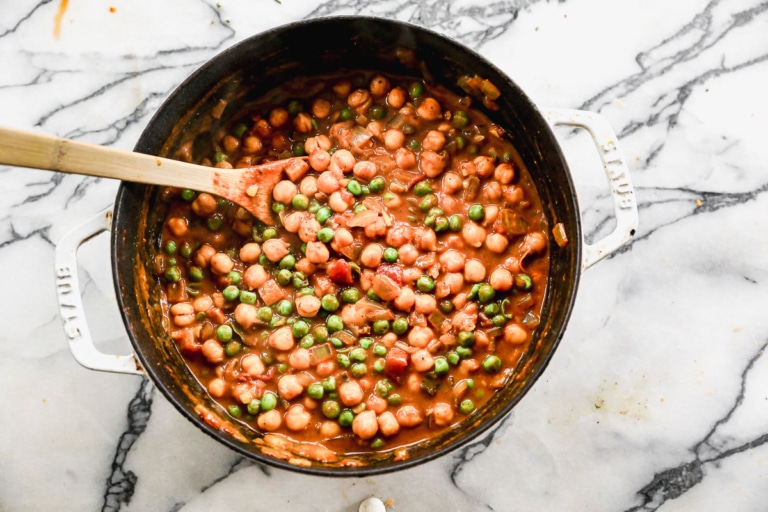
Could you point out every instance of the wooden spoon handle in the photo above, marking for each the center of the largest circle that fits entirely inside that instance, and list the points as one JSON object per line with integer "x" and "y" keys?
{"x": 40, "y": 151}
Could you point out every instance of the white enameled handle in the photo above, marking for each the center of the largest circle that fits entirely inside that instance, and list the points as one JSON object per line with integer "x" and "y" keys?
{"x": 617, "y": 172}
{"x": 71, "y": 308}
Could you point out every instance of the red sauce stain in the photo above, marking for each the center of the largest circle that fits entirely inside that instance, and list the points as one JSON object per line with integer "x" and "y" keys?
{"x": 59, "y": 17}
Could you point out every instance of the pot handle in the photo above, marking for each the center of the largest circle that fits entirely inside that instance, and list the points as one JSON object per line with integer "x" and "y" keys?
{"x": 617, "y": 172}
{"x": 71, "y": 309}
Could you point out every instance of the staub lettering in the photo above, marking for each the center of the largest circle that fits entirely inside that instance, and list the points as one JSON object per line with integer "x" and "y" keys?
{"x": 617, "y": 175}
{"x": 68, "y": 309}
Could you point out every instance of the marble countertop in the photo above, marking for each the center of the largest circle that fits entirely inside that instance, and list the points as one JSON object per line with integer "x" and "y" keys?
{"x": 657, "y": 398}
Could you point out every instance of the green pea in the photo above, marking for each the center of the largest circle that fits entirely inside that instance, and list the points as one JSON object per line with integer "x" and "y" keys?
{"x": 427, "y": 202}
{"x": 235, "y": 411}
{"x": 264, "y": 261}
{"x": 476, "y": 212}
{"x": 430, "y": 221}
{"x": 282, "y": 367}
{"x": 196, "y": 274}
{"x": 354, "y": 188}
{"x": 464, "y": 352}
{"x": 323, "y": 214}
{"x": 298, "y": 150}
{"x": 381, "y": 326}
{"x": 214, "y": 222}
{"x": 294, "y": 107}
{"x": 400, "y": 325}
{"x": 239, "y": 130}
{"x": 300, "y": 329}
{"x": 300, "y": 202}
{"x": 491, "y": 309}
{"x": 466, "y": 406}
{"x": 284, "y": 277}
{"x": 268, "y": 401}
{"x": 358, "y": 354}
{"x": 320, "y": 332}
{"x": 325, "y": 235}
{"x": 379, "y": 350}
{"x": 316, "y": 391}
{"x": 383, "y": 388}
{"x": 380, "y": 365}
{"x": 372, "y": 295}
{"x": 235, "y": 277}
{"x": 232, "y": 348}
{"x": 394, "y": 399}
{"x": 342, "y": 360}
{"x": 523, "y": 281}
{"x": 377, "y": 443}
{"x": 460, "y": 119}
{"x": 285, "y": 307}
{"x": 329, "y": 302}
{"x": 453, "y": 358}
{"x": 350, "y": 295}
{"x": 492, "y": 363}
{"x": 334, "y": 323}
{"x": 287, "y": 262}
{"x": 247, "y": 297}
{"x": 331, "y": 409}
{"x": 460, "y": 142}
{"x": 346, "y": 418}
{"x": 170, "y": 247}
{"x": 173, "y": 274}
{"x": 358, "y": 370}
{"x": 466, "y": 338}
{"x": 446, "y": 306}
{"x": 346, "y": 114}
{"x": 188, "y": 195}
{"x": 425, "y": 284}
{"x": 441, "y": 224}
{"x": 390, "y": 255}
{"x": 486, "y": 293}
{"x": 365, "y": 342}
{"x": 230, "y": 293}
{"x": 299, "y": 280}
{"x": 307, "y": 341}
{"x": 269, "y": 234}
{"x": 186, "y": 250}
{"x": 377, "y": 184}
{"x": 377, "y": 112}
{"x": 264, "y": 314}
{"x": 441, "y": 365}
{"x": 359, "y": 207}
{"x": 254, "y": 406}
{"x": 416, "y": 89}
{"x": 329, "y": 383}
{"x": 313, "y": 207}
{"x": 422, "y": 188}
{"x": 414, "y": 145}
{"x": 499, "y": 320}
{"x": 408, "y": 129}
{"x": 224, "y": 332}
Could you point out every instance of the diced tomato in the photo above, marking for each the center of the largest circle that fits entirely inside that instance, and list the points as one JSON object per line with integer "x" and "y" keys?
{"x": 396, "y": 362}
{"x": 393, "y": 271}
{"x": 340, "y": 272}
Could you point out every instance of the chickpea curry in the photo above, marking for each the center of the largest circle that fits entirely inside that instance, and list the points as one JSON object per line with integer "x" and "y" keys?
{"x": 401, "y": 282}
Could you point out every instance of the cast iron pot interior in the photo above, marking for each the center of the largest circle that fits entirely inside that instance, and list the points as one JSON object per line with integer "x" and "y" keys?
{"x": 257, "y": 65}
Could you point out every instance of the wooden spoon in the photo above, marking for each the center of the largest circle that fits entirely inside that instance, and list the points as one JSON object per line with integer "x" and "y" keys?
{"x": 249, "y": 187}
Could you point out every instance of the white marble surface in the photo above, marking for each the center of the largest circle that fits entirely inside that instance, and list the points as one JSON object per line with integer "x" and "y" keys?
{"x": 657, "y": 398}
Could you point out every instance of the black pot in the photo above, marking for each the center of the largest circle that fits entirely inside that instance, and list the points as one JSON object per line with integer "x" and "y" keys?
{"x": 259, "y": 64}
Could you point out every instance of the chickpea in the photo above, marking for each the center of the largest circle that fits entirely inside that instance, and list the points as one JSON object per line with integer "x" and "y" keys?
{"x": 289, "y": 386}
{"x": 375, "y": 403}
{"x": 342, "y": 238}
{"x": 251, "y": 145}
{"x": 284, "y": 191}
{"x": 321, "y": 108}
{"x": 308, "y": 229}
{"x": 497, "y": 243}
{"x": 213, "y": 351}
{"x": 396, "y": 97}
{"x": 246, "y": 315}
{"x": 305, "y": 266}
{"x": 409, "y": 416}
{"x": 204, "y": 254}
{"x": 365, "y": 170}
{"x": 504, "y": 173}
{"x": 434, "y": 140}
{"x": 177, "y": 226}
{"x": 359, "y": 99}
{"x": 292, "y": 222}
{"x": 474, "y": 271}
{"x": 182, "y": 309}
{"x": 429, "y": 109}
{"x": 408, "y": 254}
{"x": 399, "y": 235}
{"x": 484, "y": 165}
{"x": 473, "y": 234}
{"x": 281, "y": 339}
{"x": 388, "y": 425}
{"x": 515, "y": 334}
{"x": 325, "y": 368}
{"x": 278, "y": 117}
{"x": 379, "y": 85}
{"x": 275, "y": 249}
{"x": 533, "y": 243}
{"x": 319, "y": 160}
{"x": 442, "y": 414}
{"x": 202, "y": 303}
{"x": 322, "y": 142}
{"x": 431, "y": 163}
{"x": 342, "y": 160}
{"x": 452, "y": 183}
{"x": 420, "y": 336}
{"x": 513, "y": 194}
{"x": 297, "y": 418}
{"x": 270, "y": 421}
{"x": 405, "y": 158}
{"x": 426, "y": 239}
{"x": 376, "y": 128}
{"x": 376, "y": 229}
{"x": 452, "y": 261}
{"x": 425, "y": 304}
{"x": 307, "y": 305}
{"x": 394, "y": 139}
{"x": 411, "y": 274}
{"x": 250, "y": 252}
{"x": 492, "y": 191}
{"x": 501, "y": 280}
{"x": 252, "y": 365}
{"x": 330, "y": 429}
{"x": 221, "y": 263}
{"x": 406, "y": 299}
{"x": 451, "y": 283}
{"x": 317, "y": 252}
{"x": 217, "y": 387}
{"x": 371, "y": 255}
{"x": 204, "y": 205}
{"x": 255, "y": 276}
{"x": 299, "y": 359}
{"x": 223, "y": 165}
{"x": 350, "y": 393}
{"x": 340, "y": 201}
{"x": 365, "y": 425}
{"x": 342, "y": 88}
{"x": 329, "y": 181}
